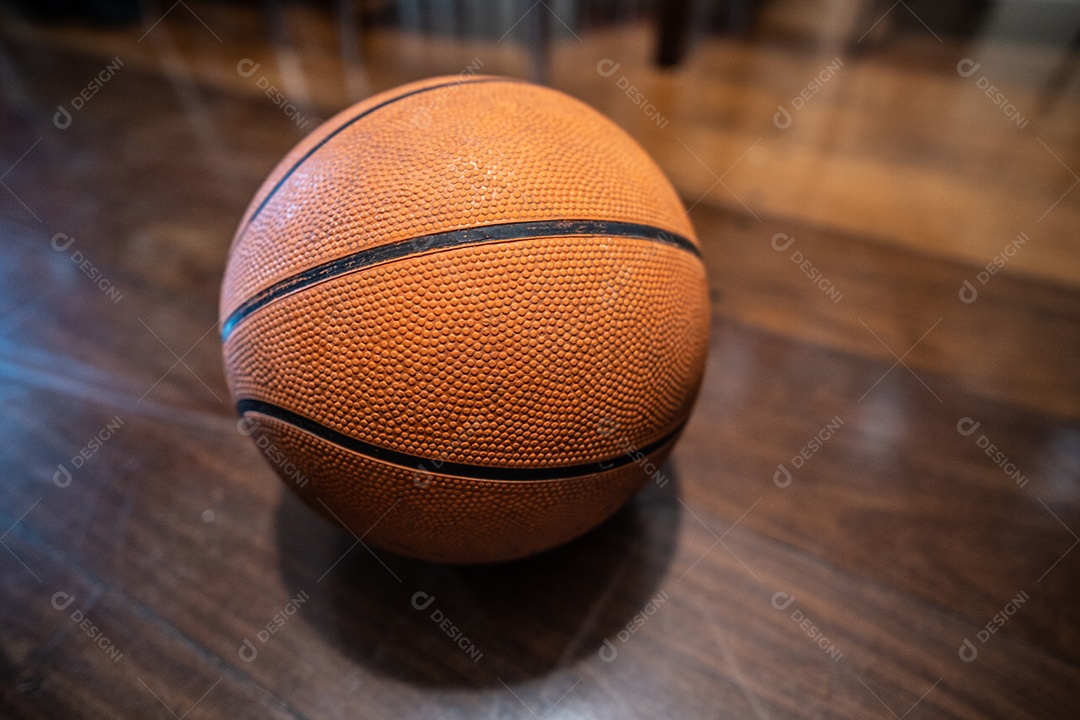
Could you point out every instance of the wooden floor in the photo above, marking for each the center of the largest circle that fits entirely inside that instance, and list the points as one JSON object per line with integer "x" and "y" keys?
{"x": 154, "y": 566}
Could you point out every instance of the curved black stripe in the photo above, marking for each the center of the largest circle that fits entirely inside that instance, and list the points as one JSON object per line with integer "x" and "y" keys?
{"x": 481, "y": 472}
{"x": 309, "y": 153}
{"x": 454, "y": 238}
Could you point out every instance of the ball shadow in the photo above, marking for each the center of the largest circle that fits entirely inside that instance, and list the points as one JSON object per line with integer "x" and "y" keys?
{"x": 476, "y": 626}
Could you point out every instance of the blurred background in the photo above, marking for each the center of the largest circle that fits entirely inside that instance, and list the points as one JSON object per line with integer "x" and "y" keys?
{"x": 942, "y": 126}
{"x": 874, "y": 508}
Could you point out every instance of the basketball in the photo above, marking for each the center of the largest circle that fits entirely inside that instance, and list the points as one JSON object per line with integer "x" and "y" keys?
{"x": 466, "y": 319}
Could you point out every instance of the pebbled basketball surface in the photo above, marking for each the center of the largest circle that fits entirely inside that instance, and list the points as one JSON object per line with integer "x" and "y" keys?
{"x": 466, "y": 318}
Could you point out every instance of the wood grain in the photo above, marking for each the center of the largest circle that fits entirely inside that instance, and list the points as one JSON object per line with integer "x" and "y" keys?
{"x": 133, "y": 574}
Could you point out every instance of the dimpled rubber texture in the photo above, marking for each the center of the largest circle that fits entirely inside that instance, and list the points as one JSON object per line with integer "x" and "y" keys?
{"x": 480, "y": 152}
{"x": 415, "y": 513}
{"x": 534, "y": 353}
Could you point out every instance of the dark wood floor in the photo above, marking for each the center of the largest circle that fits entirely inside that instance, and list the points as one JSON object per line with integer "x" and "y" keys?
{"x": 146, "y": 544}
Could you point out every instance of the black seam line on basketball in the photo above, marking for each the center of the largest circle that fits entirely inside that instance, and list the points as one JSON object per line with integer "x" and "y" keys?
{"x": 436, "y": 467}
{"x": 439, "y": 241}
{"x": 309, "y": 153}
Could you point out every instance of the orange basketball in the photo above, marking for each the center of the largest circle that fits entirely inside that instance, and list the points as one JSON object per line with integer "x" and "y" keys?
{"x": 466, "y": 318}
